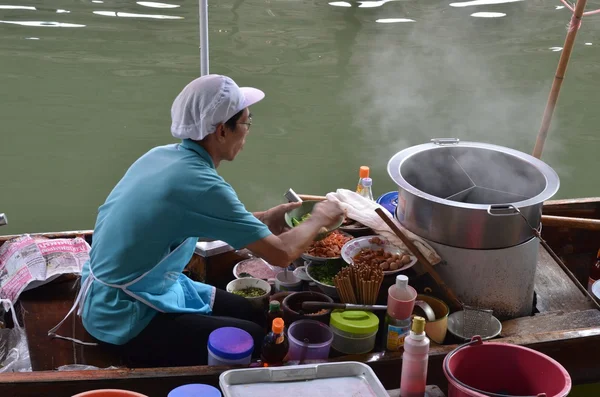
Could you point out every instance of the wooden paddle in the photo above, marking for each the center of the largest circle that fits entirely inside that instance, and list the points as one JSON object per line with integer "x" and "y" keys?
{"x": 454, "y": 302}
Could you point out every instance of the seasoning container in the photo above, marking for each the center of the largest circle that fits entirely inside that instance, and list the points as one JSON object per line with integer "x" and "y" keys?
{"x": 354, "y": 331}
{"x": 363, "y": 172}
{"x": 230, "y": 346}
{"x": 413, "y": 378}
{"x": 195, "y": 389}
{"x": 395, "y": 332}
{"x": 309, "y": 340}
{"x": 274, "y": 312}
{"x": 366, "y": 190}
{"x": 401, "y": 299}
{"x": 285, "y": 281}
{"x": 275, "y": 346}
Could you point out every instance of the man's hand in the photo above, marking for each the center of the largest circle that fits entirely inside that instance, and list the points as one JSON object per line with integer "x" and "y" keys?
{"x": 274, "y": 217}
{"x": 282, "y": 247}
{"x": 327, "y": 213}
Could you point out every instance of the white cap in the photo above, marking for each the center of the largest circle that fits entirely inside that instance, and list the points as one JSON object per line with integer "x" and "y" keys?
{"x": 401, "y": 281}
{"x": 206, "y": 102}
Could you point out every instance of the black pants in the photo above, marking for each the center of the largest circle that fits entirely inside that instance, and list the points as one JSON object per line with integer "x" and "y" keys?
{"x": 173, "y": 339}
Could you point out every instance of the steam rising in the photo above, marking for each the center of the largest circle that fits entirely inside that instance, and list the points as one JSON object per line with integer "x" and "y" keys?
{"x": 419, "y": 83}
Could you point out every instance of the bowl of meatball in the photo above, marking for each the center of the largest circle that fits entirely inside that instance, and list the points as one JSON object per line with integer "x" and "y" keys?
{"x": 377, "y": 251}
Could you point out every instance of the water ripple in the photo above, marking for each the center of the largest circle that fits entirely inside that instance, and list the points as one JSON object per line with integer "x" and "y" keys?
{"x": 394, "y": 20}
{"x": 152, "y": 4}
{"x": 488, "y": 14}
{"x": 50, "y": 24}
{"x": 133, "y": 15}
{"x": 9, "y": 7}
{"x": 481, "y": 3}
{"x": 340, "y": 4}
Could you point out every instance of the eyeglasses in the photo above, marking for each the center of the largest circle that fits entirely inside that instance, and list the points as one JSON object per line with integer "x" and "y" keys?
{"x": 249, "y": 123}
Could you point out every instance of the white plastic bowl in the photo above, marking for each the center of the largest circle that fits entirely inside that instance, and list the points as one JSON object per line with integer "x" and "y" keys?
{"x": 259, "y": 302}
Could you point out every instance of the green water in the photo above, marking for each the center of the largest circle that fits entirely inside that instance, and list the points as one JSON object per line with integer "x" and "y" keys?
{"x": 82, "y": 100}
{"x": 86, "y": 87}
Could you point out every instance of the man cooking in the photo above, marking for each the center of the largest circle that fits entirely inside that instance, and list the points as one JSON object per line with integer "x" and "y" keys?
{"x": 133, "y": 293}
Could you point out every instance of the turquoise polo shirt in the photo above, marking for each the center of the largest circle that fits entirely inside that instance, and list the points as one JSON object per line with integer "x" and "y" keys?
{"x": 166, "y": 200}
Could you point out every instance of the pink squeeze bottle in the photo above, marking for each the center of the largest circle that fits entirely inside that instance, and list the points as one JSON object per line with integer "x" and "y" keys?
{"x": 414, "y": 361}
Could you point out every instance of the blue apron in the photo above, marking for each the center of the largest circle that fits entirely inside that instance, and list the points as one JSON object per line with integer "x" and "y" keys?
{"x": 164, "y": 288}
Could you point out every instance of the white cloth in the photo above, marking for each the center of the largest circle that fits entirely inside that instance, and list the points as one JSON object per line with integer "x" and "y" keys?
{"x": 206, "y": 102}
{"x": 362, "y": 210}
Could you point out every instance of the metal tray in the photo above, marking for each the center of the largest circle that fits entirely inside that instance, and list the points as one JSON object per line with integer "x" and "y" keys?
{"x": 314, "y": 380}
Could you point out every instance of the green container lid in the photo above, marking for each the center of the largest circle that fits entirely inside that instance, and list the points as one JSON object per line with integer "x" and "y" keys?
{"x": 354, "y": 321}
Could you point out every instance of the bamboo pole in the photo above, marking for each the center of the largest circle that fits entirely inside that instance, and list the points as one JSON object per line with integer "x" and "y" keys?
{"x": 203, "y": 28}
{"x": 559, "y": 77}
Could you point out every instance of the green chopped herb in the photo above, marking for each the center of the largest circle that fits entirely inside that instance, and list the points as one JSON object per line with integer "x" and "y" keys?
{"x": 250, "y": 292}
{"x": 296, "y": 221}
{"x": 324, "y": 273}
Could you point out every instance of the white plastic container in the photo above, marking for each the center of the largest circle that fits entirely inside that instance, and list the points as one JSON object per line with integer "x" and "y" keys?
{"x": 331, "y": 379}
{"x": 216, "y": 360}
{"x": 230, "y": 346}
{"x": 354, "y": 331}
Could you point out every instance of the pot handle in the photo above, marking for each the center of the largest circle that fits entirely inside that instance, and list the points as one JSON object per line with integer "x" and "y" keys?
{"x": 503, "y": 210}
{"x": 445, "y": 141}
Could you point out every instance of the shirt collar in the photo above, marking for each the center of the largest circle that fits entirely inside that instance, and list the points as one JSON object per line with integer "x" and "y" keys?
{"x": 191, "y": 145}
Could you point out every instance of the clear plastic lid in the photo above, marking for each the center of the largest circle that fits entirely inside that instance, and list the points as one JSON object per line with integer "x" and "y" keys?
{"x": 367, "y": 182}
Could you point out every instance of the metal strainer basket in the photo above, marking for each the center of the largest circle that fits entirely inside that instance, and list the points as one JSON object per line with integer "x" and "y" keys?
{"x": 476, "y": 321}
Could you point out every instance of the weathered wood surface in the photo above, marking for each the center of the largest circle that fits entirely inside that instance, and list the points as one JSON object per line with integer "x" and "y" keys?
{"x": 47, "y": 305}
{"x": 555, "y": 290}
{"x": 551, "y": 322}
{"x": 569, "y": 336}
{"x": 588, "y": 207}
{"x": 570, "y": 222}
{"x": 44, "y": 308}
{"x": 575, "y": 350}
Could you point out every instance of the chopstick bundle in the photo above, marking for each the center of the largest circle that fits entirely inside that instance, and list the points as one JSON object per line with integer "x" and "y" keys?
{"x": 359, "y": 284}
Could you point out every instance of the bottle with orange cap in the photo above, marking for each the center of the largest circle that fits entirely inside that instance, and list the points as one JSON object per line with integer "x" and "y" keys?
{"x": 363, "y": 172}
{"x": 275, "y": 345}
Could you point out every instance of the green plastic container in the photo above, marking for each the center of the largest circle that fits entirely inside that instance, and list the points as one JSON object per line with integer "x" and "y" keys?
{"x": 354, "y": 331}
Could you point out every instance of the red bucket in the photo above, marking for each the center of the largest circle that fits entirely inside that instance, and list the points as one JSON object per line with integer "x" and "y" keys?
{"x": 478, "y": 369}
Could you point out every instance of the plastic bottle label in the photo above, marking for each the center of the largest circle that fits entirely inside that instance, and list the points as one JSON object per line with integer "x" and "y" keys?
{"x": 396, "y": 336}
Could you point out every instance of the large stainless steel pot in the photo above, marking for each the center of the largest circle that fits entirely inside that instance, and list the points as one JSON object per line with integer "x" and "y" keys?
{"x": 499, "y": 279}
{"x": 455, "y": 193}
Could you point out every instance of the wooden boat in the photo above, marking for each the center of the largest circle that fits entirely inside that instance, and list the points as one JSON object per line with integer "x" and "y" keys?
{"x": 567, "y": 327}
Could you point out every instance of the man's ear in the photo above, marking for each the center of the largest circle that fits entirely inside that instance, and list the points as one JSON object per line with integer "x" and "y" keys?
{"x": 220, "y": 132}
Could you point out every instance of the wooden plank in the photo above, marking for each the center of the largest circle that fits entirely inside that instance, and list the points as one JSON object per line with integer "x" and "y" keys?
{"x": 575, "y": 350}
{"x": 550, "y": 322}
{"x": 554, "y": 290}
{"x": 44, "y": 307}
